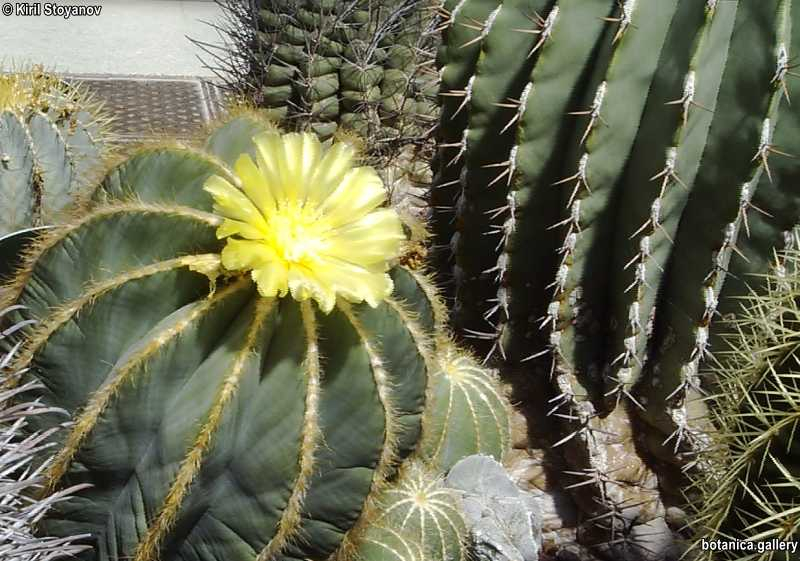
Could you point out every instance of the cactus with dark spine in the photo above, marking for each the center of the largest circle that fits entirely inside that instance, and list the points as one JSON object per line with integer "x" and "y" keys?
{"x": 53, "y": 138}
{"x": 239, "y": 389}
{"x": 751, "y": 490}
{"x": 363, "y": 66}
{"x": 589, "y": 199}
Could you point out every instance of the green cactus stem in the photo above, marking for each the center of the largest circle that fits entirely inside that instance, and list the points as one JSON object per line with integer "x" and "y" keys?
{"x": 467, "y": 412}
{"x": 590, "y": 200}
{"x": 53, "y": 139}
{"x": 215, "y": 414}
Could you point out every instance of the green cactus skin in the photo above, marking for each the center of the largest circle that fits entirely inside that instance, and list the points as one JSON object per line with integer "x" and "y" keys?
{"x": 466, "y": 414}
{"x": 360, "y": 65}
{"x": 715, "y": 236}
{"x": 420, "y": 508}
{"x": 381, "y": 543}
{"x": 51, "y": 142}
{"x": 212, "y": 423}
{"x": 751, "y": 489}
{"x": 588, "y": 201}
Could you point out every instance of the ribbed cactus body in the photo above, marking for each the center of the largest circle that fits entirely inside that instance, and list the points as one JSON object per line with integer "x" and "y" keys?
{"x": 211, "y": 421}
{"x": 421, "y": 509}
{"x": 590, "y": 197}
{"x": 52, "y": 137}
{"x": 357, "y": 64}
{"x": 467, "y": 411}
{"x": 382, "y": 543}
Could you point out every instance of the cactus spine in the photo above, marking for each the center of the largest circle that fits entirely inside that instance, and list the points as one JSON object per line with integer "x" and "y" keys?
{"x": 593, "y": 248}
{"x": 20, "y": 511}
{"x": 52, "y": 140}
{"x": 240, "y": 389}
{"x": 750, "y": 491}
{"x": 363, "y": 66}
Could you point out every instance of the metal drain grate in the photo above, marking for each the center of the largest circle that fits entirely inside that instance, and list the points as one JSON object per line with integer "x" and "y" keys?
{"x": 145, "y": 108}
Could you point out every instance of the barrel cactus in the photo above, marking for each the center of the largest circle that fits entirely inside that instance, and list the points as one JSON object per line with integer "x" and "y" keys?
{"x": 53, "y": 139}
{"x": 421, "y": 510}
{"x": 467, "y": 411}
{"x": 569, "y": 182}
{"x": 244, "y": 365}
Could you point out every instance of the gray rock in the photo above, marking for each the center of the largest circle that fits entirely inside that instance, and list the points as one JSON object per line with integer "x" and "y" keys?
{"x": 504, "y": 522}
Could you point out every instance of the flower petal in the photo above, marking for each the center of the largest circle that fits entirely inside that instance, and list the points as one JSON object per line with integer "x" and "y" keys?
{"x": 231, "y": 202}
{"x": 246, "y": 254}
{"x": 303, "y": 153}
{"x": 254, "y": 184}
{"x": 330, "y": 172}
{"x": 269, "y": 155}
{"x": 355, "y": 283}
{"x": 360, "y": 191}
{"x": 236, "y": 227}
{"x": 305, "y": 284}
{"x": 376, "y": 237}
{"x": 271, "y": 279}
{"x": 304, "y": 222}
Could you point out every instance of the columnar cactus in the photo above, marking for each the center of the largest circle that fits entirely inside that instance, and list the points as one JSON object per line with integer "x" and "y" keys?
{"x": 590, "y": 197}
{"x": 52, "y": 138}
{"x": 751, "y": 492}
{"x": 244, "y": 366}
{"x": 359, "y": 63}
{"x": 363, "y": 66}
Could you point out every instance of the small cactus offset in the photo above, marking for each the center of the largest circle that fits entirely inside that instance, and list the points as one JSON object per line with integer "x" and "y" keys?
{"x": 383, "y": 543}
{"x": 590, "y": 198}
{"x": 752, "y": 491}
{"x": 467, "y": 412}
{"x": 418, "y": 507}
{"x": 53, "y": 138}
{"x": 245, "y": 365}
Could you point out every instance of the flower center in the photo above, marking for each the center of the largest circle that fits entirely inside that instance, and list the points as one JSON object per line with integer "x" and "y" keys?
{"x": 421, "y": 499}
{"x": 452, "y": 368}
{"x": 296, "y": 235}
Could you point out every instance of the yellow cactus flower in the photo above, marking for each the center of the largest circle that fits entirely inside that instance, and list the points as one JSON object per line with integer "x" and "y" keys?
{"x": 305, "y": 221}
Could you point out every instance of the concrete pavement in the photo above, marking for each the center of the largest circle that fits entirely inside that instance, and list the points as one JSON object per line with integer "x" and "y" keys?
{"x": 129, "y": 37}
